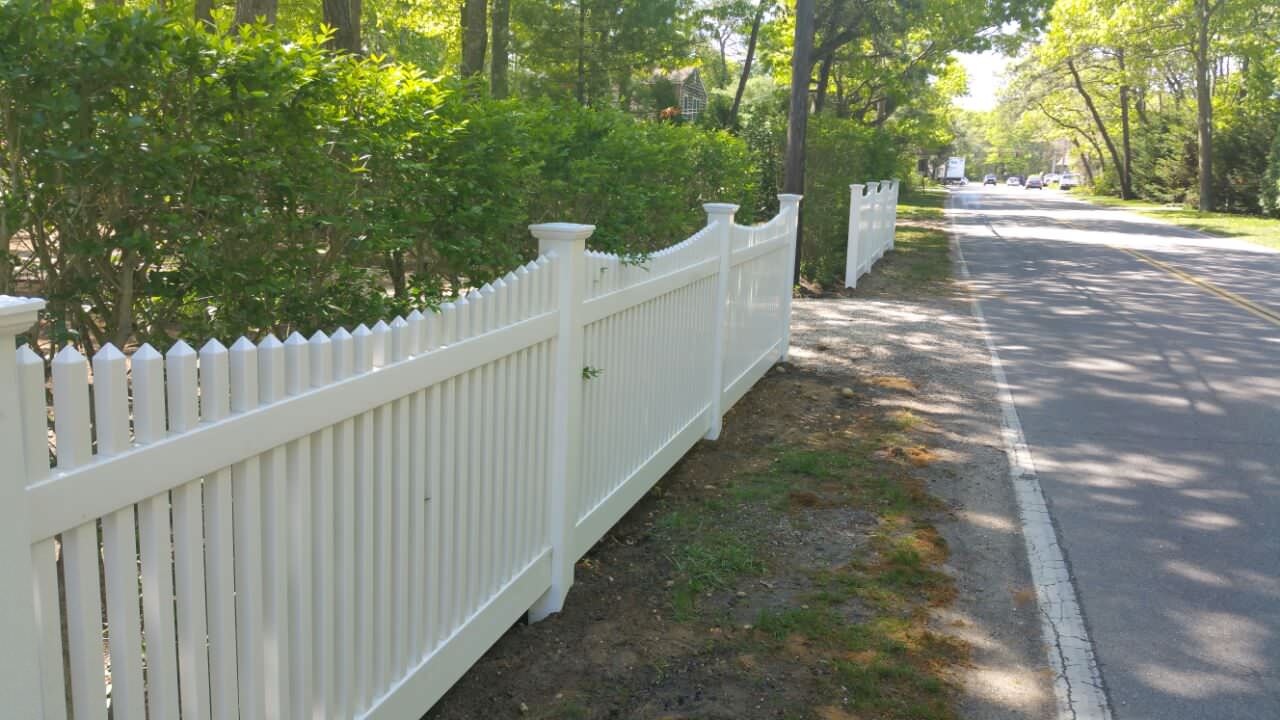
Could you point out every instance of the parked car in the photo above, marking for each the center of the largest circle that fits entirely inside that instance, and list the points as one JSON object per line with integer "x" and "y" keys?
{"x": 1013, "y": 181}
{"x": 1034, "y": 183}
{"x": 1050, "y": 178}
{"x": 989, "y": 179}
{"x": 1068, "y": 181}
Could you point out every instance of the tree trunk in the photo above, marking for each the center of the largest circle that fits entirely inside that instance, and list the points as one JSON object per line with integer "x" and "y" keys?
{"x": 824, "y": 78}
{"x": 474, "y": 37}
{"x": 204, "y": 14}
{"x": 582, "y": 52}
{"x": 346, "y": 29}
{"x": 1126, "y": 175}
{"x": 1102, "y": 128}
{"x": 251, "y": 11}
{"x": 501, "y": 33}
{"x": 746, "y": 64}
{"x": 1204, "y": 106}
{"x": 798, "y": 114}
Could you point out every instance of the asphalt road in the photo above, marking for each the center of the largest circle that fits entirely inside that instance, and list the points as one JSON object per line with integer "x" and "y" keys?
{"x": 1151, "y": 406}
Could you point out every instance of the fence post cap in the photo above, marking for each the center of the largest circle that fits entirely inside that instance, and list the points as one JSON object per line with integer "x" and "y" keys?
{"x": 18, "y": 314}
{"x": 789, "y": 198}
{"x": 720, "y": 208}
{"x": 561, "y": 231}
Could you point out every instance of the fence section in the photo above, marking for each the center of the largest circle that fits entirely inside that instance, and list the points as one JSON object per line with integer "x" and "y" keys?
{"x": 339, "y": 526}
{"x": 873, "y": 217}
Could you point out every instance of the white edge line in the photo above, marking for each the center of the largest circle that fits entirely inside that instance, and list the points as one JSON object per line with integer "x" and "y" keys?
{"x": 1077, "y": 679}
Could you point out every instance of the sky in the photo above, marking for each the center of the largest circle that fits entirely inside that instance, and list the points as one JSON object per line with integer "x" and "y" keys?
{"x": 985, "y": 72}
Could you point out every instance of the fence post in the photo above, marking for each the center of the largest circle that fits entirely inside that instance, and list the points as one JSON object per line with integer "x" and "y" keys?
{"x": 20, "y": 660}
{"x": 887, "y": 210}
{"x": 720, "y": 220}
{"x": 852, "y": 255}
{"x": 893, "y": 217}
{"x": 567, "y": 243}
{"x": 789, "y": 204}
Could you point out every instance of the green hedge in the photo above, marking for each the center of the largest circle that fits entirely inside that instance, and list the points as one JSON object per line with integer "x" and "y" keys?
{"x": 840, "y": 153}
{"x": 160, "y": 181}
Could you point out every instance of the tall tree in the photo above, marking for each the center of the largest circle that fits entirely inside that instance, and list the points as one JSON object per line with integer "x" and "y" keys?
{"x": 344, "y": 17}
{"x": 746, "y": 63}
{"x": 798, "y": 112}
{"x": 501, "y": 31}
{"x": 204, "y": 14}
{"x": 474, "y": 37}
{"x": 247, "y": 12}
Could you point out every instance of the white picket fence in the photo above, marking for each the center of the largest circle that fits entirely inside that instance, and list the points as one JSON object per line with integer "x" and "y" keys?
{"x": 873, "y": 216}
{"x": 339, "y": 526}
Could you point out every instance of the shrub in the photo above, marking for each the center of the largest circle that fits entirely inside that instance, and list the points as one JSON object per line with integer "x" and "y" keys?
{"x": 163, "y": 181}
{"x": 840, "y": 152}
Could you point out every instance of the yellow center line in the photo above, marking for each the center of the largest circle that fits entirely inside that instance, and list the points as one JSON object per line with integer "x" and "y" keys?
{"x": 1262, "y": 312}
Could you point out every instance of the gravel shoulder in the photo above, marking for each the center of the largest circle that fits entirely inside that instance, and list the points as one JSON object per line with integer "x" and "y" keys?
{"x": 933, "y": 341}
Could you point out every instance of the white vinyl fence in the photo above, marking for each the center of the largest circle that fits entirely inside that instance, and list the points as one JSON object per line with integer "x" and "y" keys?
{"x": 339, "y": 526}
{"x": 873, "y": 216}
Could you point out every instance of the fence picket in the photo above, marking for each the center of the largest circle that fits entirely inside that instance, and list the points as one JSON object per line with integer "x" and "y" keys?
{"x": 188, "y": 543}
{"x": 345, "y": 473}
{"x": 398, "y": 511}
{"x": 362, "y": 531}
{"x": 35, "y": 437}
{"x": 80, "y": 544}
{"x": 297, "y": 374}
{"x": 320, "y": 363}
{"x": 219, "y": 570}
{"x": 383, "y": 477}
{"x": 275, "y": 542}
{"x": 332, "y": 565}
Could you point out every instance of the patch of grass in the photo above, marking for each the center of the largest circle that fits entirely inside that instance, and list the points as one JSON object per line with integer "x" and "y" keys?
{"x": 1252, "y": 228}
{"x": 771, "y": 490}
{"x": 904, "y": 420}
{"x": 813, "y": 463}
{"x": 921, "y": 259}
{"x": 714, "y": 560}
{"x": 922, "y": 204}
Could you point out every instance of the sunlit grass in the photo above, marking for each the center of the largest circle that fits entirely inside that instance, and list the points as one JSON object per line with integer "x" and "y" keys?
{"x": 1252, "y": 228}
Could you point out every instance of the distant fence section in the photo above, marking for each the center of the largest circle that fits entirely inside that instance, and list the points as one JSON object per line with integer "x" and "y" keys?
{"x": 339, "y": 526}
{"x": 873, "y": 217}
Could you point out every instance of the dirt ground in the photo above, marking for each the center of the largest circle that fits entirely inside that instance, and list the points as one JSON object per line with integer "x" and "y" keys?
{"x": 847, "y": 549}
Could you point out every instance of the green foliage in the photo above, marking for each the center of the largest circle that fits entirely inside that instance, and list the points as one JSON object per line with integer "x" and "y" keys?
{"x": 160, "y": 181}
{"x": 1271, "y": 187}
{"x": 838, "y": 153}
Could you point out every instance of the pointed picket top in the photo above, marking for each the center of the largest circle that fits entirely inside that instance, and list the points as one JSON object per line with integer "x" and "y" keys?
{"x": 297, "y": 371}
{"x": 108, "y": 353}
{"x": 27, "y": 356}
{"x": 321, "y": 358}
{"x": 399, "y": 340}
{"x": 363, "y": 341}
{"x": 147, "y": 375}
{"x": 71, "y": 407}
{"x": 180, "y": 349}
{"x": 381, "y": 343}
{"x": 417, "y": 331}
{"x": 343, "y": 354}
{"x": 215, "y": 395}
{"x": 270, "y": 369}
{"x": 244, "y": 375}
{"x": 68, "y": 355}
{"x": 213, "y": 347}
{"x": 180, "y": 386}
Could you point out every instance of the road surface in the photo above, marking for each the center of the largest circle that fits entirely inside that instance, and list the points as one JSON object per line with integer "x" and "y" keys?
{"x": 1144, "y": 364}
